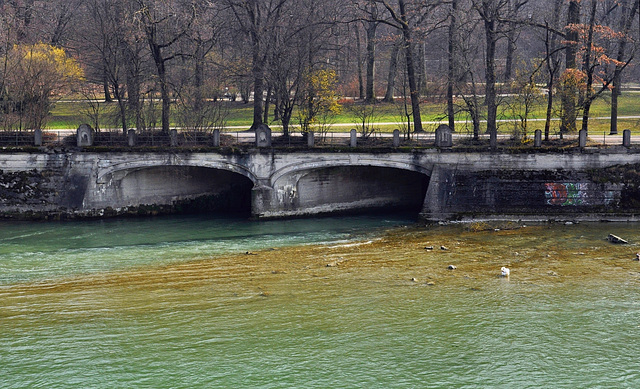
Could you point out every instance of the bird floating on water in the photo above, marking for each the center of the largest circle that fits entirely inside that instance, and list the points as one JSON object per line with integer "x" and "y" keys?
{"x": 505, "y": 271}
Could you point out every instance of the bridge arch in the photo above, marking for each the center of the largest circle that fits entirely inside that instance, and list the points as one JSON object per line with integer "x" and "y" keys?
{"x": 178, "y": 186}
{"x": 296, "y": 169}
{"x": 350, "y": 185}
{"x": 108, "y": 171}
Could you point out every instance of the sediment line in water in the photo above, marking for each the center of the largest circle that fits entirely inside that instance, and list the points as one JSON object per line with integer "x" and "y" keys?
{"x": 404, "y": 256}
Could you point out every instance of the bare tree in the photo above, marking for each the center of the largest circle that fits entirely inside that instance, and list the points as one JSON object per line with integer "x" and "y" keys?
{"x": 626, "y": 20}
{"x": 164, "y": 25}
{"x": 490, "y": 12}
{"x": 400, "y": 19}
{"x": 259, "y": 20}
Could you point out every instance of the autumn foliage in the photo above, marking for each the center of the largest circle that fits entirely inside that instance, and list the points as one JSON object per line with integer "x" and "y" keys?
{"x": 35, "y": 76}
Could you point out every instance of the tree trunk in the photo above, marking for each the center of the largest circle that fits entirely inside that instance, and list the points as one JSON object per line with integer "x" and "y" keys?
{"x": 552, "y": 67}
{"x": 511, "y": 48}
{"x": 569, "y": 100}
{"x": 159, "y": 61}
{"x": 359, "y": 65}
{"x": 547, "y": 123}
{"x": 626, "y": 23}
{"x": 588, "y": 99}
{"x": 451, "y": 77}
{"x": 421, "y": 68}
{"x": 133, "y": 86}
{"x": 391, "y": 77}
{"x": 258, "y": 90}
{"x": 267, "y": 102}
{"x": 490, "y": 79}
{"x": 411, "y": 74}
{"x": 371, "y": 61}
{"x": 198, "y": 80}
{"x": 105, "y": 85}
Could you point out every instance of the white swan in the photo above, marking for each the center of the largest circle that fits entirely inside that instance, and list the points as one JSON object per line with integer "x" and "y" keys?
{"x": 505, "y": 271}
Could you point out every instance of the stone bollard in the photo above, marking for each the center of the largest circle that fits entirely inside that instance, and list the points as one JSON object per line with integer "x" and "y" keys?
{"x": 311, "y": 139}
{"x": 443, "y": 136}
{"x": 37, "y": 137}
{"x": 263, "y": 136}
{"x": 173, "y": 136}
{"x": 582, "y": 139}
{"x": 354, "y": 138}
{"x": 131, "y": 138}
{"x": 396, "y": 138}
{"x": 84, "y": 135}
{"x": 626, "y": 138}
{"x": 216, "y": 138}
{"x": 537, "y": 139}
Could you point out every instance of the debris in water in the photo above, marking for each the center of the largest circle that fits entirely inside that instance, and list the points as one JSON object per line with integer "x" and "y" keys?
{"x": 616, "y": 239}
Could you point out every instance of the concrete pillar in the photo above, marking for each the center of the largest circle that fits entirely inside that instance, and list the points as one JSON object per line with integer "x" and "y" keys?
{"x": 435, "y": 207}
{"x": 354, "y": 138}
{"x": 37, "y": 137}
{"x": 582, "y": 139}
{"x": 396, "y": 138}
{"x": 626, "y": 138}
{"x": 537, "y": 140}
{"x": 131, "y": 137}
{"x": 311, "y": 139}
{"x": 262, "y": 200}
{"x": 216, "y": 138}
{"x": 173, "y": 135}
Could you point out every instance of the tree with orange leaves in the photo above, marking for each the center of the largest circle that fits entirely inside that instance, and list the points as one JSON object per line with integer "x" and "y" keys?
{"x": 592, "y": 50}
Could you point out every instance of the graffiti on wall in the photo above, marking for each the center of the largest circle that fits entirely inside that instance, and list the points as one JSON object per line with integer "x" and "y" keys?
{"x": 566, "y": 194}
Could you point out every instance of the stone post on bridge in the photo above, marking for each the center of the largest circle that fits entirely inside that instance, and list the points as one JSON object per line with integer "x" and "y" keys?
{"x": 84, "y": 135}
{"x": 626, "y": 138}
{"x": 216, "y": 138}
{"x": 443, "y": 136}
{"x": 354, "y": 138}
{"x": 396, "y": 138}
{"x": 173, "y": 137}
{"x": 311, "y": 139}
{"x": 37, "y": 135}
{"x": 537, "y": 139}
{"x": 582, "y": 139}
{"x": 263, "y": 136}
{"x": 131, "y": 138}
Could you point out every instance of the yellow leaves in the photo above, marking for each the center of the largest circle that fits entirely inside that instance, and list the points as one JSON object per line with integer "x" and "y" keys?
{"x": 323, "y": 85}
{"x": 35, "y": 75}
{"x": 320, "y": 97}
{"x": 45, "y": 66}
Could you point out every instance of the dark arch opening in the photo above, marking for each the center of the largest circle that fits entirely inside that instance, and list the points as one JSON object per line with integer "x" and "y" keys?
{"x": 362, "y": 189}
{"x": 187, "y": 189}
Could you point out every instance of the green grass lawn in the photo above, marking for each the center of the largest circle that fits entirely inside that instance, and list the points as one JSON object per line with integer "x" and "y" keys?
{"x": 70, "y": 114}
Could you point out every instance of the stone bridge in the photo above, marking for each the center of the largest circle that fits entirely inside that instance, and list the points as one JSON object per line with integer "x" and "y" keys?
{"x": 270, "y": 184}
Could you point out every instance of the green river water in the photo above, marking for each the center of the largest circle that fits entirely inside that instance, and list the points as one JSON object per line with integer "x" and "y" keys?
{"x": 348, "y": 302}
